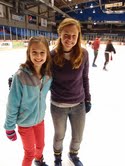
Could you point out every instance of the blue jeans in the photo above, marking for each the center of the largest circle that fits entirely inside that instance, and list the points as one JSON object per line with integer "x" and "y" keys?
{"x": 76, "y": 117}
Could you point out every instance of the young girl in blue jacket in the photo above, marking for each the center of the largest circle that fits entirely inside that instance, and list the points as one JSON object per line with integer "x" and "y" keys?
{"x": 27, "y": 101}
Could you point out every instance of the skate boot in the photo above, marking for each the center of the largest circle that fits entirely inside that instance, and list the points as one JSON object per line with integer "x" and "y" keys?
{"x": 94, "y": 65}
{"x": 40, "y": 162}
{"x": 58, "y": 161}
{"x": 75, "y": 159}
{"x": 104, "y": 68}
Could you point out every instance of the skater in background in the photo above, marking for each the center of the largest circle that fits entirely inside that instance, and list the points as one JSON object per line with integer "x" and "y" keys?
{"x": 108, "y": 53}
{"x": 10, "y": 81}
{"x": 70, "y": 96}
{"x": 89, "y": 43}
{"x": 26, "y": 101}
{"x": 95, "y": 46}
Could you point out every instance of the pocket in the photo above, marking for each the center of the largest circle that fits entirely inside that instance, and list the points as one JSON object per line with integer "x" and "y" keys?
{"x": 82, "y": 106}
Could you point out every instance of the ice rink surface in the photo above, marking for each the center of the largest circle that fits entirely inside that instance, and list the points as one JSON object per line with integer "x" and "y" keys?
{"x": 104, "y": 139}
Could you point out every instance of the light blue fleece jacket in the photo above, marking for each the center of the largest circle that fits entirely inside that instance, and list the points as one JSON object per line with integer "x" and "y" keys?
{"x": 26, "y": 100}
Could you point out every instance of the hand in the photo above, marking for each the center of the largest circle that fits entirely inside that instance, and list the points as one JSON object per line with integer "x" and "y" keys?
{"x": 88, "y": 106}
{"x": 11, "y": 134}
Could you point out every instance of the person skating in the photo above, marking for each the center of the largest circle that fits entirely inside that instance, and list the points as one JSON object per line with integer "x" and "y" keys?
{"x": 108, "y": 51}
{"x": 95, "y": 46}
{"x": 70, "y": 96}
{"x": 26, "y": 101}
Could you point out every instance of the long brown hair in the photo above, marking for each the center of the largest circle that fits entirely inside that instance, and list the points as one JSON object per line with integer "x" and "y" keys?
{"x": 77, "y": 51}
{"x": 46, "y": 67}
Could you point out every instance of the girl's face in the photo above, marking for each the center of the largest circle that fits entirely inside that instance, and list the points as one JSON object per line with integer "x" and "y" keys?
{"x": 69, "y": 37}
{"x": 38, "y": 54}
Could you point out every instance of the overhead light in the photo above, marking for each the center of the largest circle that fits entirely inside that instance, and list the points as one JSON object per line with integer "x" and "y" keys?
{"x": 76, "y": 6}
{"x": 93, "y": 11}
{"x": 81, "y": 12}
{"x": 91, "y": 6}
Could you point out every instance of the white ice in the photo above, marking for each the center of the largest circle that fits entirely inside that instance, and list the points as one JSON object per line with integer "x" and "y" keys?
{"x": 104, "y": 139}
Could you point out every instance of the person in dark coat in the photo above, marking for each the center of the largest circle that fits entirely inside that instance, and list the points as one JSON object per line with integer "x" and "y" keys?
{"x": 108, "y": 51}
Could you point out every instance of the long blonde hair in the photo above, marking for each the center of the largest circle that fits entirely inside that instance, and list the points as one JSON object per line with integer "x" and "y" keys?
{"x": 46, "y": 67}
{"x": 77, "y": 50}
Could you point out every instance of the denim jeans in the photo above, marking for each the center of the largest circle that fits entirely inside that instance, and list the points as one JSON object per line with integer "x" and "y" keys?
{"x": 76, "y": 116}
